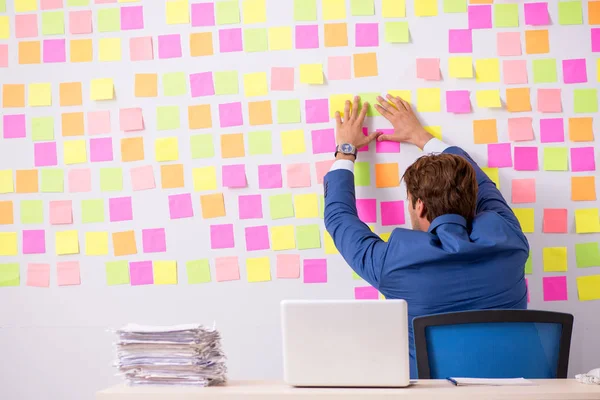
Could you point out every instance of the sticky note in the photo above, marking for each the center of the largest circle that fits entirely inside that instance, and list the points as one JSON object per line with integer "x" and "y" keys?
{"x": 292, "y": 142}
{"x": 544, "y": 70}
{"x": 458, "y": 101}
{"x": 365, "y": 65}
{"x": 488, "y": 98}
{"x": 555, "y": 220}
{"x": 234, "y": 176}
{"x": 460, "y": 67}
{"x": 280, "y": 38}
{"x": 506, "y": 15}
{"x": 429, "y": 100}
{"x": 254, "y": 11}
{"x": 555, "y": 288}
{"x": 556, "y": 159}
{"x": 142, "y": 178}
{"x": 362, "y": 7}
{"x": 230, "y": 40}
{"x": 70, "y": 94}
{"x": 526, "y": 159}
{"x": 582, "y": 159}
{"x": 367, "y": 34}
{"x": 583, "y": 188}
{"x": 281, "y": 206}
{"x": 130, "y": 119}
{"x": 120, "y": 209}
{"x": 311, "y": 74}
{"x": 552, "y": 130}
{"x": 574, "y": 70}
{"x": 67, "y": 242}
{"x": 141, "y": 273}
{"x": 180, "y": 206}
{"x": 587, "y": 220}
{"x": 102, "y": 89}
{"x": 288, "y": 266}
{"x": 426, "y": 8}
{"x": 306, "y": 205}
{"x": 40, "y": 94}
{"x": 10, "y": 275}
{"x": 397, "y": 32}
{"x": 480, "y": 16}
{"x": 305, "y": 10}
{"x": 333, "y": 9}
{"x": 38, "y": 275}
{"x": 595, "y": 33}
{"x": 526, "y": 219}
{"x": 34, "y": 242}
{"x": 166, "y": 149}
{"x": 198, "y": 271}
{"x": 111, "y": 179}
{"x": 52, "y": 180}
{"x": 258, "y": 269}
{"x": 67, "y": 273}
{"x": 250, "y": 206}
{"x": 230, "y": 114}
{"x": 109, "y": 49}
{"x": 74, "y": 152}
{"x": 487, "y": 70}
{"x": 203, "y": 14}
{"x": 255, "y": 40}
{"x": 588, "y": 287}
{"x": 392, "y": 213}
{"x": 593, "y": 13}
{"x": 199, "y": 116}
{"x": 570, "y": 13}
{"x": 24, "y": 6}
{"x": 257, "y": 238}
{"x": 555, "y": 259}
{"x": 178, "y": 12}
{"x": 117, "y": 273}
{"x": 460, "y": 41}
{"x": 169, "y": 46}
{"x": 227, "y": 12}
{"x": 165, "y": 272}
{"x": 124, "y": 243}
{"x": 6, "y": 212}
{"x": 523, "y": 191}
{"x": 323, "y": 141}
{"x": 92, "y": 210}
{"x": 508, "y": 44}
{"x": 336, "y": 35}
{"x": 315, "y": 270}
{"x": 96, "y": 243}
{"x": 298, "y": 175}
{"x": 549, "y": 100}
{"x": 537, "y": 42}
{"x": 317, "y": 110}
{"x": 53, "y": 23}
{"x": 429, "y": 69}
{"x": 518, "y": 100}
{"x": 45, "y": 154}
{"x": 283, "y": 238}
{"x": 323, "y": 168}
{"x": 174, "y": 84}
{"x": 499, "y": 155}
{"x": 61, "y": 212}
{"x": 255, "y": 84}
{"x": 536, "y": 14}
{"x": 201, "y": 84}
{"x": 108, "y": 20}
{"x": 366, "y": 293}
{"x": 132, "y": 18}
{"x": 393, "y": 8}
{"x": 585, "y": 100}
{"x": 307, "y": 36}
{"x": 227, "y": 269}
{"x": 515, "y": 72}
{"x": 338, "y": 68}
{"x": 42, "y": 129}
{"x": 141, "y": 49}
{"x": 226, "y": 82}
{"x": 232, "y": 145}
{"x": 205, "y": 178}
{"x": 32, "y": 211}
{"x": 387, "y": 175}
{"x": 29, "y": 53}
{"x": 221, "y": 236}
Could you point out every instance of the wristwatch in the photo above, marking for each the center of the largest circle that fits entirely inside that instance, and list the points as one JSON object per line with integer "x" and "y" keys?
{"x": 347, "y": 149}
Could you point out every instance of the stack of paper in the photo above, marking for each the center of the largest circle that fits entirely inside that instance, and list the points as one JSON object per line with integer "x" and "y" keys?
{"x": 181, "y": 354}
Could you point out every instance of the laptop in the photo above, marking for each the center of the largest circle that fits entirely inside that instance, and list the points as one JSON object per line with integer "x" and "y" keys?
{"x": 345, "y": 343}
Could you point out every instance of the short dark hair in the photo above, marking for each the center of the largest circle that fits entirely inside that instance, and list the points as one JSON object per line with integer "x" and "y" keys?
{"x": 445, "y": 183}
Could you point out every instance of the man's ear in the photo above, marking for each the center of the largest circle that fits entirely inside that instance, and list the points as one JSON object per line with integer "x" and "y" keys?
{"x": 421, "y": 209}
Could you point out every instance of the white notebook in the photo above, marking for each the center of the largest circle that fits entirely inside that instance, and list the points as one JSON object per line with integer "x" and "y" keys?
{"x": 490, "y": 382}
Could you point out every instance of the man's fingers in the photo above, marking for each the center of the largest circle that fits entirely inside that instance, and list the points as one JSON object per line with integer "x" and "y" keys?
{"x": 388, "y": 138}
{"x": 347, "y": 110}
{"x": 383, "y": 111}
{"x": 363, "y": 113}
{"x": 355, "y": 106}
{"x": 385, "y": 104}
{"x": 373, "y": 136}
{"x": 338, "y": 118}
{"x": 397, "y": 101}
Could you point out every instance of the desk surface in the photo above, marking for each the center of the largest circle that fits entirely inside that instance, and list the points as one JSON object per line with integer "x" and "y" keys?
{"x": 426, "y": 389}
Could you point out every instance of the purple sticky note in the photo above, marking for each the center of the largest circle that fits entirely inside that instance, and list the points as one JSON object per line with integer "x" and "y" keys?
{"x": 142, "y": 178}
{"x": 80, "y": 180}
{"x": 575, "y": 71}
{"x": 180, "y": 206}
{"x": 520, "y": 129}
{"x": 203, "y": 14}
{"x": 509, "y": 44}
{"x": 386, "y": 146}
{"x": 317, "y": 110}
{"x": 132, "y": 18}
{"x": 458, "y": 101}
{"x": 169, "y": 46}
{"x": 307, "y": 36}
{"x": 269, "y": 176}
{"x": 80, "y": 22}
{"x": 552, "y": 130}
{"x": 221, "y": 236}
{"x": 26, "y": 26}
{"x": 315, "y": 270}
{"x": 323, "y": 141}
{"x": 98, "y": 122}
{"x": 54, "y": 51}
{"x": 257, "y": 238}
{"x": 595, "y": 32}
{"x": 154, "y": 240}
{"x": 499, "y": 155}
{"x": 250, "y": 206}
{"x": 45, "y": 154}
{"x": 34, "y": 242}
{"x": 101, "y": 149}
{"x": 392, "y": 213}
{"x": 460, "y": 41}
{"x": 140, "y": 273}
{"x": 555, "y": 288}
{"x": 480, "y": 17}
{"x": 14, "y": 126}
{"x": 582, "y": 159}
{"x": 202, "y": 84}
{"x": 515, "y": 72}
{"x": 38, "y": 275}
{"x": 61, "y": 212}
{"x": 282, "y": 78}
{"x": 367, "y": 35}
{"x": 339, "y": 68}
{"x": 234, "y": 176}
{"x": 526, "y": 159}
{"x": 366, "y": 293}
{"x": 367, "y": 210}
{"x": 120, "y": 209}
{"x": 230, "y": 114}
{"x": 549, "y": 101}
{"x": 536, "y": 14}
{"x": 230, "y": 40}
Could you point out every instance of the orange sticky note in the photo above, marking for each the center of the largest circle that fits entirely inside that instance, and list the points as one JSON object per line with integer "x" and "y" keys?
{"x": 124, "y": 243}
{"x": 518, "y": 100}
{"x": 537, "y": 42}
{"x": 485, "y": 131}
{"x": 72, "y": 124}
{"x": 594, "y": 12}
{"x": 199, "y": 117}
{"x": 232, "y": 145}
{"x": 581, "y": 130}
{"x": 132, "y": 149}
{"x": 27, "y": 181}
{"x": 146, "y": 85}
{"x": 171, "y": 176}
{"x": 70, "y": 94}
{"x": 336, "y": 35}
{"x": 201, "y": 44}
{"x": 30, "y": 52}
{"x": 387, "y": 175}
{"x": 6, "y": 212}
{"x": 13, "y": 95}
{"x": 481, "y": 1}
{"x": 260, "y": 113}
{"x": 213, "y": 205}
{"x": 81, "y": 50}
{"x": 583, "y": 188}
{"x": 365, "y": 65}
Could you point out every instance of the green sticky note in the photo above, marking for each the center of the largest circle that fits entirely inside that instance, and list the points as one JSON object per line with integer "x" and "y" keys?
{"x": 226, "y": 82}
{"x": 260, "y": 143}
{"x": 321, "y": 206}
{"x": 556, "y": 159}
{"x": 92, "y": 211}
{"x": 198, "y": 271}
{"x": 78, "y": 3}
{"x": 288, "y": 111}
{"x": 362, "y": 174}
{"x": 2, "y": 5}
{"x": 109, "y": 20}
{"x": 455, "y": 6}
{"x": 506, "y": 15}
{"x": 42, "y": 129}
{"x": 53, "y": 23}
{"x": 586, "y": 100}
{"x": 397, "y": 32}
{"x": 255, "y": 40}
{"x": 228, "y": 12}
{"x": 356, "y": 277}
{"x": 167, "y": 118}
{"x": 362, "y": 7}
{"x": 308, "y": 237}
{"x": 281, "y": 206}
{"x": 174, "y": 84}
{"x": 10, "y": 275}
{"x": 32, "y": 212}
{"x": 305, "y": 10}
{"x": 117, "y": 273}
{"x": 544, "y": 70}
{"x": 111, "y": 179}
{"x": 53, "y": 180}
{"x": 370, "y": 98}
{"x": 529, "y": 266}
{"x": 570, "y": 13}
{"x": 587, "y": 255}
{"x": 202, "y": 146}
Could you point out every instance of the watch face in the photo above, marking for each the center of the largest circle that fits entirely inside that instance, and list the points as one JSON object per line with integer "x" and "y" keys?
{"x": 347, "y": 148}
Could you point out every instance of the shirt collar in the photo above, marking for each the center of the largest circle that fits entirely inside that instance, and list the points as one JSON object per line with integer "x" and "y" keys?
{"x": 447, "y": 219}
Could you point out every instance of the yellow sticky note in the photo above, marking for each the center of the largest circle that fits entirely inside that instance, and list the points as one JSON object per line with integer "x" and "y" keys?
{"x": 329, "y": 244}
{"x": 488, "y": 98}
{"x": 587, "y": 220}
{"x": 283, "y": 238}
{"x": 385, "y": 236}
{"x": 258, "y": 269}
{"x": 7, "y": 183}
{"x": 166, "y": 149}
{"x": 25, "y": 5}
{"x": 306, "y": 205}
{"x": 435, "y": 131}
{"x": 8, "y": 244}
{"x": 426, "y": 8}
{"x": 487, "y": 70}
{"x": 255, "y": 84}
{"x": 292, "y": 142}
{"x": 405, "y": 95}
{"x": 555, "y": 259}
{"x": 460, "y": 67}
{"x": 254, "y": 11}
{"x": 526, "y": 219}
{"x": 334, "y": 10}
{"x": 109, "y": 49}
{"x": 393, "y": 8}
{"x": 429, "y": 100}
{"x": 67, "y": 242}
{"x": 74, "y": 151}
{"x": 178, "y": 12}
{"x": 102, "y": 89}
{"x": 337, "y": 102}
{"x": 311, "y": 74}
{"x": 96, "y": 243}
{"x": 205, "y": 178}
{"x": 40, "y": 95}
{"x": 280, "y": 38}
{"x": 588, "y": 287}
{"x": 165, "y": 272}
{"x": 4, "y": 27}
{"x": 493, "y": 174}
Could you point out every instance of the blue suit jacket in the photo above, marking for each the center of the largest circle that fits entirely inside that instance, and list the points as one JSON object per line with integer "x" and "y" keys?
{"x": 452, "y": 267}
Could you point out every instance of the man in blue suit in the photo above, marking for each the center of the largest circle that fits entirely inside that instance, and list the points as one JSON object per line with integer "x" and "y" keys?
{"x": 466, "y": 250}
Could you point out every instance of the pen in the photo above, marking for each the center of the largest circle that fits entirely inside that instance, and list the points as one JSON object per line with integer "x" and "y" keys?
{"x": 452, "y": 381}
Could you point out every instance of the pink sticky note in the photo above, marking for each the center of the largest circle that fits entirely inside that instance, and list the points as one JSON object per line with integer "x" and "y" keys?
{"x": 34, "y": 241}
{"x": 227, "y": 269}
{"x": 26, "y": 26}
{"x": 520, "y": 129}
{"x": 480, "y": 17}
{"x": 428, "y": 69}
{"x": 54, "y": 51}
{"x": 323, "y": 168}
{"x": 80, "y": 180}
{"x": 536, "y": 14}
{"x": 250, "y": 206}
{"x": 132, "y": 18}
{"x": 140, "y": 273}
{"x": 230, "y": 114}
{"x": 458, "y": 101}
{"x": 131, "y": 119}
{"x": 104, "y": 1}
{"x": 101, "y": 149}
{"x": 385, "y": 146}
{"x": 526, "y": 159}
{"x": 595, "y": 32}
{"x": 80, "y": 22}
{"x": 221, "y": 236}
{"x": 509, "y": 44}
{"x": 154, "y": 240}
{"x": 38, "y": 275}
{"x": 367, "y": 35}
{"x": 307, "y": 36}
{"x": 288, "y": 266}
{"x": 230, "y": 40}
{"x": 315, "y": 270}
{"x": 298, "y": 175}
{"x": 120, "y": 209}
{"x": 282, "y": 78}
{"x": 552, "y": 130}
{"x": 549, "y": 101}
{"x": 460, "y": 41}
{"x": 67, "y": 273}
{"x": 169, "y": 46}
{"x": 323, "y": 141}
{"x": 202, "y": 84}
{"x": 555, "y": 220}
{"x": 98, "y": 122}
{"x": 317, "y": 110}
{"x": 3, "y": 55}
{"x": 51, "y": 4}
{"x": 339, "y": 68}
{"x": 180, "y": 206}
{"x": 45, "y": 154}
{"x": 499, "y": 155}
{"x": 234, "y": 176}
{"x": 392, "y": 213}
{"x": 575, "y": 71}
{"x": 515, "y": 72}
{"x": 366, "y": 293}
{"x": 14, "y": 126}
{"x": 61, "y": 212}
{"x": 269, "y": 176}
{"x": 140, "y": 48}
{"x": 365, "y": 132}
{"x": 555, "y": 288}
{"x": 142, "y": 178}
{"x": 582, "y": 159}
{"x": 523, "y": 191}
{"x": 203, "y": 14}
{"x": 367, "y": 210}
{"x": 257, "y": 238}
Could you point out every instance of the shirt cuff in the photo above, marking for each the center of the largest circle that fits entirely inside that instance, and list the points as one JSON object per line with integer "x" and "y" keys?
{"x": 343, "y": 164}
{"x": 433, "y": 146}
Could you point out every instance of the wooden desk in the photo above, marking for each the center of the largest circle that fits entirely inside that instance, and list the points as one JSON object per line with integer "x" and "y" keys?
{"x": 426, "y": 389}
